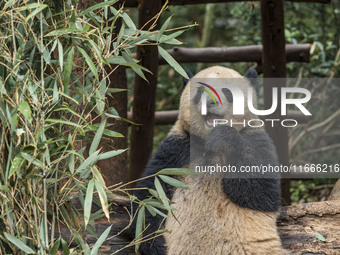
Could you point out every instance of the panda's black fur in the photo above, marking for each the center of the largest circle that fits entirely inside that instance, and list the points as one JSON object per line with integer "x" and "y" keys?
{"x": 254, "y": 195}
{"x": 173, "y": 152}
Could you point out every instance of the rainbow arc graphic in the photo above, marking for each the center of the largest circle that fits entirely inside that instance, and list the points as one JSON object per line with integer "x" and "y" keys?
{"x": 209, "y": 93}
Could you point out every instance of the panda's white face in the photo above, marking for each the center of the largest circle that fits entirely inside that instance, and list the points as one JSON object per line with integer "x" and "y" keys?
{"x": 195, "y": 94}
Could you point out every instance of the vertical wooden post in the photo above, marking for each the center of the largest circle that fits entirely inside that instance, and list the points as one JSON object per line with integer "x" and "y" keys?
{"x": 274, "y": 66}
{"x": 115, "y": 169}
{"x": 144, "y": 96}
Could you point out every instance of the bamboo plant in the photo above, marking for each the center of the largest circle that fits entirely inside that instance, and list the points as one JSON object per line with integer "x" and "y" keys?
{"x": 54, "y": 88}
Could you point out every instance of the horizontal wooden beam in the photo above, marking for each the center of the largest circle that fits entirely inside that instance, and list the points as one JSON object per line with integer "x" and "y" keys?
{"x": 162, "y": 117}
{"x": 134, "y": 3}
{"x": 170, "y": 117}
{"x": 252, "y": 53}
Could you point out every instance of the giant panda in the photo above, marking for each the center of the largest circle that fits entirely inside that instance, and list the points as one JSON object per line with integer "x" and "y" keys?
{"x": 216, "y": 215}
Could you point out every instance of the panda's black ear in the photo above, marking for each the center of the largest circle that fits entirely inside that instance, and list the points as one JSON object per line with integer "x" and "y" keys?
{"x": 185, "y": 80}
{"x": 251, "y": 74}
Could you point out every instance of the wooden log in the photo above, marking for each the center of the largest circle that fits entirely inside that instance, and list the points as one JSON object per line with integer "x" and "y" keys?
{"x": 299, "y": 224}
{"x": 252, "y": 53}
{"x": 134, "y": 3}
{"x": 144, "y": 95}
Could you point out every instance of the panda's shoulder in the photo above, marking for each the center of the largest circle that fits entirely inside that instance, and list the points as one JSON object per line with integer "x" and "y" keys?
{"x": 173, "y": 152}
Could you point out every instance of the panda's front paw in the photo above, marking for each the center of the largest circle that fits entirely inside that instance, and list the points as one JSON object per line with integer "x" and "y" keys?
{"x": 223, "y": 138}
{"x": 154, "y": 247}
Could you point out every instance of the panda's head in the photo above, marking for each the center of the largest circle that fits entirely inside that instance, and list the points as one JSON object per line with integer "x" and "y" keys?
{"x": 191, "y": 119}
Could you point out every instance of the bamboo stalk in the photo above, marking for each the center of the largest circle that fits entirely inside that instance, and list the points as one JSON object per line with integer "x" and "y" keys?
{"x": 43, "y": 127}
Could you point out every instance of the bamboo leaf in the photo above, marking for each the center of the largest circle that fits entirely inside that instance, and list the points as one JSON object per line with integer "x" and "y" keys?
{"x": 137, "y": 70}
{"x": 98, "y": 175}
{"x": 164, "y": 26}
{"x": 94, "y": 46}
{"x": 18, "y": 243}
{"x": 46, "y": 55}
{"x": 156, "y": 203}
{"x": 32, "y": 159}
{"x": 320, "y": 237}
{"x": 103, "y": 198}
{"x": 97, "y": 137}
{"x": 173, "y": 41}
{"x": 119, "y": 60}
{"x": 139, "y": 226}
{"x": 154, "y": 193}
{"x": 151, "y": 210}
{"x": 161, "y": 193}
{"x": 100, "y": 102}
{"x": 61, "y": 55}
{"x": 55, "y": 247}
{"x": 62, "y": 109}
{"x": 66, "y": 249}
{"x": 63, "y": 31}
{"x": 66, "y": 122}
{"x": 15, "y": 166}
{"x": 159, "y": 212}
{"x": 68, "y": 97}
{"x": 100, "y": 241}
{"x": 89, "y": 62}
{"x": 89, "y": 161}
{"x": 161, "y": 231}
{"x": 25, "y": 110}
{"x": 172, "y": 62}
{"x": 107, "y": 132}
{"x": 97, "y": 6}
{"x": 8, "y": 4}
{"x": 88, "y": 201}
{"x": 110, "y": 154}
{"x": 170, "y": 39}
{"x": 173, "y": 182}
{"x": 29, "y": 6}
{"x": 176, "y": 171}
{"x": 68, "y": 70}
{"x": 81, "y": 242}
{"x": 115, "y": 90}
{"x": 36, "y": 11}
{"x": 42, "y": 232}
{"x": 128, "y": 21}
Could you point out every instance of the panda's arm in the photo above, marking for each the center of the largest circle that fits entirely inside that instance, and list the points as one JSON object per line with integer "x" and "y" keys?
{"x": 173, "y": 152}
{"x": 248, "y": 148}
